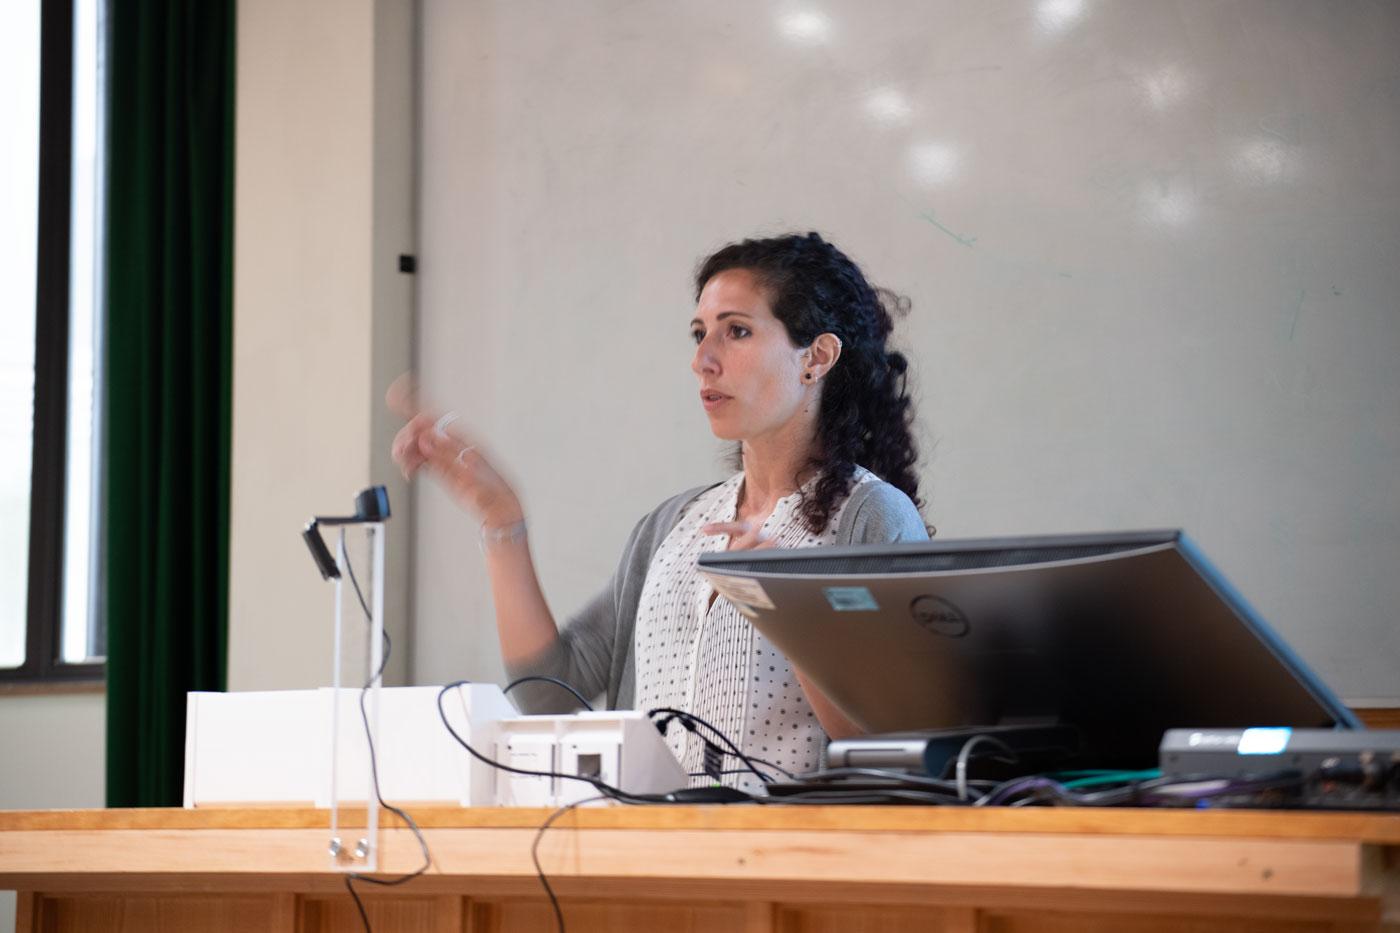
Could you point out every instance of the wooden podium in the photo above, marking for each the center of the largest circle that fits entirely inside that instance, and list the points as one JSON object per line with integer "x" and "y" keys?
{"x": 796, "y": 869}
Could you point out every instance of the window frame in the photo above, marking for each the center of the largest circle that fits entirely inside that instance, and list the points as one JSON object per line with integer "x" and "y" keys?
{"x": 48, "y": 477}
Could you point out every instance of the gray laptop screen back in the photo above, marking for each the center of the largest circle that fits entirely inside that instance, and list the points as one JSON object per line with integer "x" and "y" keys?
{"x": 1123, "y": 636}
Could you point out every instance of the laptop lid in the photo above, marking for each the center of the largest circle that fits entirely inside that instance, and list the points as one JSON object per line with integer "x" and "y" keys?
{"x": 1121, "y": 635}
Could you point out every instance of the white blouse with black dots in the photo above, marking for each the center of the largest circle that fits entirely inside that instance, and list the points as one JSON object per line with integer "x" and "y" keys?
{"x": 705, "y": 658}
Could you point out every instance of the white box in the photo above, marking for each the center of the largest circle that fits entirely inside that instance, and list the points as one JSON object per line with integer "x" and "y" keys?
{"x": 531, "y": 745}
{"x": 274, "y": 747}
{"x": 621, "y": 748}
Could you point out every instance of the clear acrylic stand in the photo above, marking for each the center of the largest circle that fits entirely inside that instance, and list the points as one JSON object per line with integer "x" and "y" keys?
{"x": 353, "y": 735}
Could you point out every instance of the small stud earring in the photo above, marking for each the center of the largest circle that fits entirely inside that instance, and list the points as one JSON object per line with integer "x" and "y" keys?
{"x": 807, "y": 376}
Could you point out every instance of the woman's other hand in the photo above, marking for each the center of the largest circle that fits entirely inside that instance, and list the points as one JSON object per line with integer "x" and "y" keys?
{"x": 437, "y": 444}
{"x": 743, "y": 536}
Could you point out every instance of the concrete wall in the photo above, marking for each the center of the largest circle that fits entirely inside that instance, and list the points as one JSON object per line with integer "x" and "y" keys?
{"x": 322, "y": 315}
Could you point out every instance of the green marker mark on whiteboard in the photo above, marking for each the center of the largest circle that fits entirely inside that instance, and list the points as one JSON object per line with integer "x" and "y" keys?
{"x": 964, "y": 240}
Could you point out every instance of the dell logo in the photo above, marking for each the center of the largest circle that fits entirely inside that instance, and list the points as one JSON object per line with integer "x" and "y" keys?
{"x": 937, "y": 615}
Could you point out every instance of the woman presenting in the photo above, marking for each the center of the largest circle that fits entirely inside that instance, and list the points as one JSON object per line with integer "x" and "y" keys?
{"x": 792, "y": 362}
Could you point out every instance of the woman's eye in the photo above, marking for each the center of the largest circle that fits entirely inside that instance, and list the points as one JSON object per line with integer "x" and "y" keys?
{"x": 738, "y": 331}
{"x": 697, "y": 336}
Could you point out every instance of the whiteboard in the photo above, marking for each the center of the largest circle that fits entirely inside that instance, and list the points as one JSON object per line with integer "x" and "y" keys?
{"x": 1153, "y": 251}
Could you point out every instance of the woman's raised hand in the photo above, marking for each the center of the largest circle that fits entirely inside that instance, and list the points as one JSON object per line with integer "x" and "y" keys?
{"x": 437, "y": 444}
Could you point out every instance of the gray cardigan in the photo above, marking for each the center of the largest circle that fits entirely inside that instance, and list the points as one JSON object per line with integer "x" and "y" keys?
{"x": 594, "y": 650}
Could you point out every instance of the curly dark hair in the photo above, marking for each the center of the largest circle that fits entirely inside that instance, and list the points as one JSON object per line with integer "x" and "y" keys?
{"x": 866, "y": 413}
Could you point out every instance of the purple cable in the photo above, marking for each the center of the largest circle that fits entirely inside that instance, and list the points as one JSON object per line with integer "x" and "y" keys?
{"x": 1162, "y": 794}
{"x": 1015, "y": 787}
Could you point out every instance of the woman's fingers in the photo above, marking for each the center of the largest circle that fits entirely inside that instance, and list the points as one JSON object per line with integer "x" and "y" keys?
{"x": 470, "y": 476}
{"x": 402, "y": 400}
{"x": 439, "y": 445}
{"x": 743, "y": 536}
{"x": 448, "y": 450}
{"x": 407, "y": 450}
{"x": 402, "y": 397}
{"x": 733, "y": 529}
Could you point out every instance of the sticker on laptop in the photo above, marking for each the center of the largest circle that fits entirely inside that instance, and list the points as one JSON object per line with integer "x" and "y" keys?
{"x": 741, "y": 592}
{"x": 850, "y": 599}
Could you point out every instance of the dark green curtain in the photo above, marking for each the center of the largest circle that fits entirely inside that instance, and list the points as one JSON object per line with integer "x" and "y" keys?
{"x": 168, "y": 380}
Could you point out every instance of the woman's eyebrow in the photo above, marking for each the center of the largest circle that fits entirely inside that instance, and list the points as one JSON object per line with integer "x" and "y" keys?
{"x": 719, "y": 317}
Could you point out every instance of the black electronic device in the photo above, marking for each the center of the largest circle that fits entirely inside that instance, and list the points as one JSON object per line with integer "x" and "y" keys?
{"x": 933, "y": 751}
{"x": 1121, "y": 636}
{"x": 371, "y": 505}
{"x": 1357, "y": 769}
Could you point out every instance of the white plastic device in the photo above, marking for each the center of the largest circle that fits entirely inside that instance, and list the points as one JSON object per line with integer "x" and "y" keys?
{"x": 621, "y": 748}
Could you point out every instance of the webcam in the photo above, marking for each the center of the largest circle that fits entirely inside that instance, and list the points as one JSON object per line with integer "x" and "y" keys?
{"x": 371, "y": 506}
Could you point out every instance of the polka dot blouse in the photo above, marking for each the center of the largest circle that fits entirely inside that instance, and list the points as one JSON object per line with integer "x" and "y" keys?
{"x": 695, "y": 652}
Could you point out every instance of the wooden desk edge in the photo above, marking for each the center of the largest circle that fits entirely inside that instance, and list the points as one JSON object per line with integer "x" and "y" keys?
{"x": 1370, "y": 828}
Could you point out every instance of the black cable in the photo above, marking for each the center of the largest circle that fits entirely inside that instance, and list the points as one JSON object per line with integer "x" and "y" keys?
{"x": 607, "y": 790}
{"x": 400, "y": 813}
{"x": 603, "y": 788}
{"x": 535, "y": 854}
{"x": 726, "y": 771}
{"x": 893, "y": 795}
{"x": 965, "y": 755}
{"x": 351, "y": 877}
{"x": 669, "y": 713}
{"x": 549, "y": 680}
{"x": 369, "y": 616}
{"x": 1161, "y": 790}
{"x": 776, "y": 767}
{"x": 359, "y": 904}
{"x": 1155, "y": 792}
{"x": 907, "y": 779}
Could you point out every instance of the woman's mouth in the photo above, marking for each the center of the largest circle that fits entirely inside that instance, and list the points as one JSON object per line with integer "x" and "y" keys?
{"x": 712, "y": 399}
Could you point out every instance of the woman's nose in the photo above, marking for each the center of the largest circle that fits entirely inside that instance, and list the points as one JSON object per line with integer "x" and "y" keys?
{"x": 704, "y": 359}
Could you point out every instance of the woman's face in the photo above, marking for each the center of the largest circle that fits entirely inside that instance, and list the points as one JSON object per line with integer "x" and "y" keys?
{"x": 750, "y": 373}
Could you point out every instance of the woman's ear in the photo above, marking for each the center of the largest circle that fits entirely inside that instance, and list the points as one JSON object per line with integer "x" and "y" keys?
{"x": 822, "y": 355}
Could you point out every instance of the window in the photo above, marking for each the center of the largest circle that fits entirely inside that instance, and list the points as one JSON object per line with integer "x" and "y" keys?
{"x": 19, "y": 193}
{"x": 50, "y": 310}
